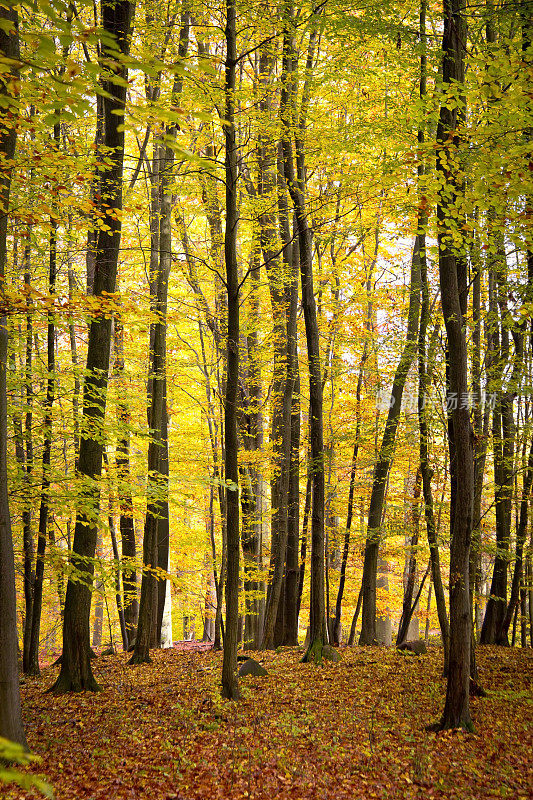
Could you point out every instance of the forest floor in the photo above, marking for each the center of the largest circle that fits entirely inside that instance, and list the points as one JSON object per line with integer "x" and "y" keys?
{"x": 353, "y": 729}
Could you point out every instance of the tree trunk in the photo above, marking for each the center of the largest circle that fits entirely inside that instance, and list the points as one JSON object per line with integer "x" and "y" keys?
{"x": 521, "y": 534}
{"x": 156, "y": 548}
{"x": 118, "y": 571}
{"x": 305, "y": 530}
{"x": 76, "y": 673}
{"x": 33, "y": 653}
{"x": 278, "y": 270}
{"x": 424, "y": 380}
{"x": 27, "y": 515}
{"x": 230, "y": 686}
{"x": 452, "y": 284}
{"x": 503, "y": 449}
{"x": 252, "y": 544}
{"x": 290, "y": 636}
{"x": 351, "y": 637}
{"x": 157, "y": 485}
{"x": 351, "y": 492}
{"x": 10, "y": 716}
{"x": 296, "y": 184}
{"x": 481, "y": 417}
{"x": 125, "y": 500}
{"x": 410, "y": 577}
{"x": 381, "y": 471}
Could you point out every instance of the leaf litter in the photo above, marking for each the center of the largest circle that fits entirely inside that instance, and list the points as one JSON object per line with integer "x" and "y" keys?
{"x": 354, "y": 729}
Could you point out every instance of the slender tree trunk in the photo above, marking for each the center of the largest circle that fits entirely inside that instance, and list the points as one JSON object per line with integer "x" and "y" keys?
{"x": 27, "y": 534}
{"x": 125, "y": 500}
{"x": 351, "y": 636}
{"x": 405, "y": 620}
{"x": 351, "y": 492}
{"x": 33, "y": 655}
{"x": 156, "y": 548}
{"x": 252, "y": 550}
{"x": 521, "y": 534}
{"x": 383, "y": 464}
{"x": 76, "y": 673}
{"x": 305, "y": 530}
{"x": 118, "y": 566}
{"x": 146, "y": 635}
{"x": 157, "y": 486}
{"x": 428, "y": 611}
{"x": 481, "y": 417}
{"x": 24, "y": 456}
{"x": 290, "y": 637}
{"x": 99, "y": 589}
{"x": 73, "y": 346}
{"x": 503, "y": 450}
{"x": 424, "y": 379}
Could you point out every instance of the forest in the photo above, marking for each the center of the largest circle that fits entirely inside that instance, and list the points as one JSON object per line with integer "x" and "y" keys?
{"x": 266, "y": 399}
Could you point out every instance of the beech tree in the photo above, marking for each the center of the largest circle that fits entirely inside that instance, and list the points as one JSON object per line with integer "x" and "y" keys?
{"x": 452, "y": 274}
{"x": 10, "y": 714}
{"x": 76, "y": 673}
{"x": 230, "y": 688}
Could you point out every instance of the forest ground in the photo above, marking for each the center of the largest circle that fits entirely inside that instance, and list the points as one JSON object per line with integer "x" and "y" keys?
{"x": 354, "y": 729}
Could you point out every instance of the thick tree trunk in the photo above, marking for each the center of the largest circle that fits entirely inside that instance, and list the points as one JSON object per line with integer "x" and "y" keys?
{"x": 76, "y": 673}
{"x": 278, "y": 268}
{"x": 296, "y": 184}
{"x": 456, "y": 710}
{"x": 10, "y": 716}
{"x": 230, "y": 686}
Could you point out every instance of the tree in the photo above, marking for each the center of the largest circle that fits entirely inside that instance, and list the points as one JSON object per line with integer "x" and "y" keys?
{"x": 76, "y": 673}
{"x": 10, "y": 715}
{"x": 293, "y": 144}
{"x": 230, "y": 687}
{"x": 383, "y": 464}
{"x": 453, "y": 288}
{"x": 156, "y": 531}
